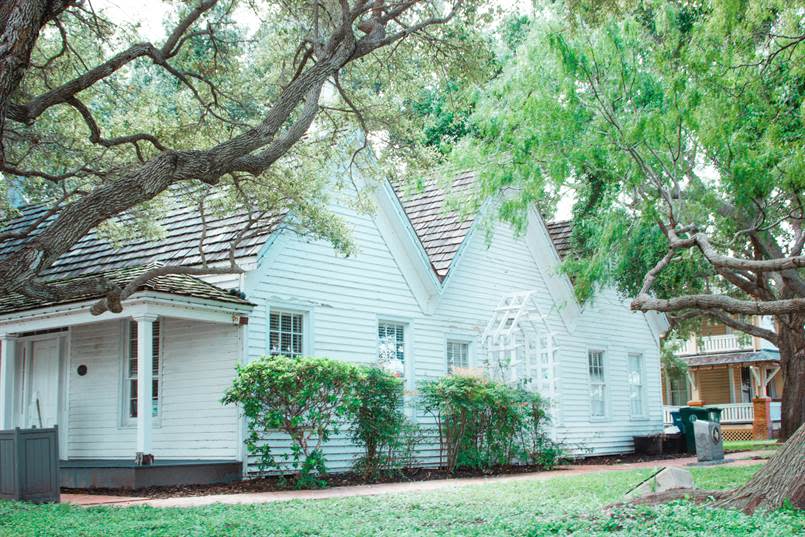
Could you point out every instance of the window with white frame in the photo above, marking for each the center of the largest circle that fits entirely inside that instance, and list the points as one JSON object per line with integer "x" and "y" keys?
{"x": 598, "y": 387}
{"x": 285, "y": 333}
{"x": 458, "y": 355}
{"x": 636, "y": 384}
{"x": 131, "y": 370}
{"x": 391, "y": 345}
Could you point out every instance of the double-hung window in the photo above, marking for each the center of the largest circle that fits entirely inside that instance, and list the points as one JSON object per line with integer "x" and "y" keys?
{"x": 458, "y": 355}
{"x": 131, "y": 370}
{"x": 285, "y": 331}
{"x": 636, "y": 384}
{"x": 598, "y": 386}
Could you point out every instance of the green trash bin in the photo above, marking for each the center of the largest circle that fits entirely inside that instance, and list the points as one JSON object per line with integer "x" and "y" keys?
{"x": 689, "y": 414}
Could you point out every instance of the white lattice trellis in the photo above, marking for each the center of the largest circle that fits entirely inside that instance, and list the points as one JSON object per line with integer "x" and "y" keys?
{"x": 519, "y": 347}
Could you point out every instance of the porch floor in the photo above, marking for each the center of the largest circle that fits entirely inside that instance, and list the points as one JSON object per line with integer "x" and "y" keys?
{"x": 126, "y": 474}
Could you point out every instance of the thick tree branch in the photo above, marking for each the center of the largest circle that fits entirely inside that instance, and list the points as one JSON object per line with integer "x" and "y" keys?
{"x": 645, "y": 302}
{"x": 28, "y": 112}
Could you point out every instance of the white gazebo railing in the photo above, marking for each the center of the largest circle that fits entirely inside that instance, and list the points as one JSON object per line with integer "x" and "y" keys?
{"x": 730, "y": 412}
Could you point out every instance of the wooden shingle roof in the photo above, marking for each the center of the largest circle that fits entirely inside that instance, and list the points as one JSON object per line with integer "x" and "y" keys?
{"x": 179, "y": 244}
{"x": 174, "y": 284}
{"x": 440, "y": 229}
{"x": 731, "y": 358}
{"x": 560, "y": 236}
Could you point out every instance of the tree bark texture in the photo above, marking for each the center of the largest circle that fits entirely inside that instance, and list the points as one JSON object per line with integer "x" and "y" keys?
{"x": 20, "y": 22}
{"x": 791, "y": 342}
{"x": 781, "y": 480}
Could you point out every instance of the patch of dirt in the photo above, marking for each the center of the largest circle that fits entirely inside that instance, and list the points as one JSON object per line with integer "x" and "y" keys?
{"x": 694, "y": 495}
{"x": 627, "y": 458}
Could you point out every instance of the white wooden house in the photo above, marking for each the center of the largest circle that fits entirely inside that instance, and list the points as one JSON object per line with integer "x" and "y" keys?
{"x": 424, "y": 280}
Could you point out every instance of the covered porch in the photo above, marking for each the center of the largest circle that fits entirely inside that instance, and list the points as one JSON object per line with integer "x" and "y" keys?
{"x": 745, "y": 385}
{"x": 135, "y": 395}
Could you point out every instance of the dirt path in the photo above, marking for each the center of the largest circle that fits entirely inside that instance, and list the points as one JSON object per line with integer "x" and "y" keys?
{"x": 735, "y": 459}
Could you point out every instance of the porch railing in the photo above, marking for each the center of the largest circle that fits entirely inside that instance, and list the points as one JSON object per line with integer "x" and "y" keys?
{"x": 723, "y": 343}
{"x": 730, "y": 412}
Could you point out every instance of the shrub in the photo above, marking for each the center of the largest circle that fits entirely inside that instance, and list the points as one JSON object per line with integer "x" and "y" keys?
{"x": 537, "y": 446}
{"x": 306, "y": 398}
{"x": 377, "y": 420}
{"x": 483, "y": 424}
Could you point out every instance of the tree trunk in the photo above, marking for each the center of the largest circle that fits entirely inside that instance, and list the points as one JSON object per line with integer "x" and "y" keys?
{"x": 20, "y": 22}
{"x": 781, "y": 480}
{"x": 791, "y": 343}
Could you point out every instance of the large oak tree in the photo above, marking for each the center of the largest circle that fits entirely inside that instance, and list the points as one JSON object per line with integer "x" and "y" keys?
{"x": 102, "y": 128}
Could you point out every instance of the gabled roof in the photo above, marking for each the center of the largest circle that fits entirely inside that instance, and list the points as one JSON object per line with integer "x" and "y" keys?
{"x": 179, "y": 245}
{"x": 174, "y": 284}
{"x": 440, "y": 229}
{"x": 731, "y": 358}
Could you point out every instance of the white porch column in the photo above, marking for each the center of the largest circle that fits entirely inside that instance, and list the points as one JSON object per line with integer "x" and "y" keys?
{"x": 8, "y": 363}
{"x": 145, "y": 360}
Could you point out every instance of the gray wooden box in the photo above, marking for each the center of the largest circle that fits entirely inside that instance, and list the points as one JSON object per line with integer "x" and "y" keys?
{"x": 29, "y": 465}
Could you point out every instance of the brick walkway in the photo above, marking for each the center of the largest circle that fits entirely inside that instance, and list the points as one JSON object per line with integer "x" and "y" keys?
{"x": 735, "y": 459}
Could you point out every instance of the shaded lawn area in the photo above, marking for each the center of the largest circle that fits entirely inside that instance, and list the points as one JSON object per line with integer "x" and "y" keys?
{"x": 559, "y": 506}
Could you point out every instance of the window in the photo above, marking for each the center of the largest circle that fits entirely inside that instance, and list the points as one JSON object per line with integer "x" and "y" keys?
{"x": 598, "y": 385}
{"x": 679, "y": 389}
{"x": 636, "y": 384}
{"x": 131, "y": 371}
{"x": 285, "y": 334}
{"x": 458, "y": 355}
{"x": 391, "y": 337}
{"x": 747, "y": 388}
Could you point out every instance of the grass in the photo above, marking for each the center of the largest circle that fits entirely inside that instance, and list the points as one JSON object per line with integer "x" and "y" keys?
{"x": 560, "y": 506}
{"x": 750, "y": 445}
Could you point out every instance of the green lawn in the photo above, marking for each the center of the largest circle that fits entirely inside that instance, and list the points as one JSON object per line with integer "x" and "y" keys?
{"x": 559, "y": 506}
{"x": 750, "y": 445}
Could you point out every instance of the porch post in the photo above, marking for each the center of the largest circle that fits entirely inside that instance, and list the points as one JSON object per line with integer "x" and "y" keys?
{"x": 145, "y": 360}
{"x": 761, "y": 405}
{"x": 8, "y": 363}
{"x": 695, "y": 391}
{"x": 731, "y": 378}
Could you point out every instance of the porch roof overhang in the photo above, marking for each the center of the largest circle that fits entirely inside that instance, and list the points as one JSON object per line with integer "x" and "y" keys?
{"x": 142, "y": 303}
{"x": 767, "y": 357}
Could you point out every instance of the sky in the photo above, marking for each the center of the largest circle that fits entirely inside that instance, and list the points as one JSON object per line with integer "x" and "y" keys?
{"x": 150, "y": 13}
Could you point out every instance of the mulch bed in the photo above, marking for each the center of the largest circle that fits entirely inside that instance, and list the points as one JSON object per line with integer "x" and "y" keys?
{"x": 275, "y": 483}
{"x": 627, "y": 458}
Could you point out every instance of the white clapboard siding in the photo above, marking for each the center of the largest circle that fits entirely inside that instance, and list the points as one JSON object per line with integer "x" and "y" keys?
{"x": 343, "y": 298}
{"x": 198, "y": 362}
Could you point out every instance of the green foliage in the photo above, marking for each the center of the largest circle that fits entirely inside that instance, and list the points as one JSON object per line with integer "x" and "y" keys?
{"x": 377, "y": 420}
{"x": 310, "y": 399}
{"x": 306, "y": 398}
{"x": 483, "y": 424}
{"x": 560, "y": 506}
{"x": 642, "y": 108}
{"x": 236, "y": 79}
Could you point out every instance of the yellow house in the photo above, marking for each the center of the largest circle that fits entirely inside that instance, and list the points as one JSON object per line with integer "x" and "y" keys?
{"x": 738, "y": 373}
